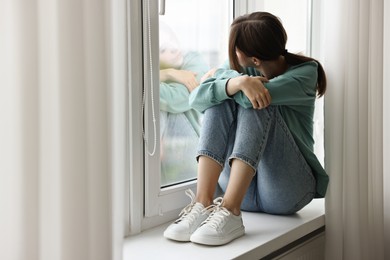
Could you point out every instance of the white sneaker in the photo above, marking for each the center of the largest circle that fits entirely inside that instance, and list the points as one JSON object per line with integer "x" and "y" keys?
{"x": 220, "y": 228}
{"x": 190, "y": 219}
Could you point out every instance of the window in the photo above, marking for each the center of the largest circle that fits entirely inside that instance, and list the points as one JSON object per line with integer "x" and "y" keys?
{"x": 193, "y": 41}
{"x": 166, "y": 167}
{"x": 178, "y": 39}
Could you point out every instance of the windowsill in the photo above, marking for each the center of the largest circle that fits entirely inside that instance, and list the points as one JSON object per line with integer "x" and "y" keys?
{"x": 264, "y": 234}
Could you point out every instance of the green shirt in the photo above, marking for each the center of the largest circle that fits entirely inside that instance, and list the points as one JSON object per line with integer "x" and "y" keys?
{"x": 174, "y": 96}
{"x": 294, "y": 92}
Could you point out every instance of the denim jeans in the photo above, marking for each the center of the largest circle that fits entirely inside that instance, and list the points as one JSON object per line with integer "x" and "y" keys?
{"x": 283, "y": 183}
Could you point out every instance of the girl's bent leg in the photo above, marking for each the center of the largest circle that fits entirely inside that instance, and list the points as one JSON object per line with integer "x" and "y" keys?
{"x": 217, "y": 131}
{"x": 284, "y": 182}
{"x": 208, "y": 174}
{"x": 241, "y": 175}
{"x": 218, "y": 128}
{"x": 250, "y": 139}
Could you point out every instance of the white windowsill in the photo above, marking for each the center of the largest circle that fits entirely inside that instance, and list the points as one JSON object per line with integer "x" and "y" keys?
{"x": 264, "y": 234}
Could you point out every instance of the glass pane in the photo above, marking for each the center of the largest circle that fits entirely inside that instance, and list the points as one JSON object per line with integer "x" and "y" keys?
{"x": 193, "y": 38}
{"x": 295, "y": 18}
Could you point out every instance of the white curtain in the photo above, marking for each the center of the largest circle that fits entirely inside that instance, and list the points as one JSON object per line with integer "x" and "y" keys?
{"x": 353, "y": 54}
{"x": 56, "y": 181}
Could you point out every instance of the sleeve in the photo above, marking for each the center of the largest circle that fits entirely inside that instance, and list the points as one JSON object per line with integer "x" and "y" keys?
{"x": 212, "y": 91}
{"x": 174, "y": 96}
{"x": 295, "y": 87}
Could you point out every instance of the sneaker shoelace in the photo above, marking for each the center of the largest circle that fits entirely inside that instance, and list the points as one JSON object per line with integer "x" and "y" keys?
{"x": 185, "y": 212}
{"x": 217, "y": 213}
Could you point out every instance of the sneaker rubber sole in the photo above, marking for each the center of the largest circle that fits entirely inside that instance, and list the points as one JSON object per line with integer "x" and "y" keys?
{"x": 217, "y": 241}
{"x": 177, "y": 236}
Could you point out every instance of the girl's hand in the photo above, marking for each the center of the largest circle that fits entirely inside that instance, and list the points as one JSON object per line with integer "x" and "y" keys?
{"x": 253, "y": 88}
{"x": 185, "y": 77}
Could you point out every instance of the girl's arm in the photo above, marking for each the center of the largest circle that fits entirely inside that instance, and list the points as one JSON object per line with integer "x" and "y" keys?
{"x": 174, "y": 95}
{"x": 296, "y": 87}
{"x": 229, "y": 84}
{"x": 252, "y": 87}
{"x": 185, "y": 77}
{"x": 174, "y": 98}
{"x": 212, "y": 91}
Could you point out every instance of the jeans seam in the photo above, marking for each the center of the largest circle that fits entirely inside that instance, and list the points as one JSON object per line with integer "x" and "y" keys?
{"x": 287, "y": 131}
{"x": 211, "y": 156}
{"x": 264, "y": 139}
{"x": 242, "y": 158}
{"x": 234, "y": 121}
{"x": 291, "y": 139}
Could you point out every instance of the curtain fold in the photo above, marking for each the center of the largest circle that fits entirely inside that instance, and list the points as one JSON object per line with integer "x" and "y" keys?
{"x": 352, "y": 54}
{"x": 55, "y": 169}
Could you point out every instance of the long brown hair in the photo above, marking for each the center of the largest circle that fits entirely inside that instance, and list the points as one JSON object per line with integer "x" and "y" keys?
{"x": 262, "y": 35}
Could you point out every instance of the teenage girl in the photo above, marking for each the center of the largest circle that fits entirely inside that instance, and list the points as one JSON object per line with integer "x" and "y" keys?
{"x": 256, "y": 139}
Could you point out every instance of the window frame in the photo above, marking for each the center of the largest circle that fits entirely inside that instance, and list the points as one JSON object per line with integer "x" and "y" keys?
{"x": 134, "y": 162}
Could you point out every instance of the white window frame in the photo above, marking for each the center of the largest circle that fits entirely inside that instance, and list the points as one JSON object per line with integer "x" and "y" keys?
{"x": 134, "y": 163}
{"x": 147, "y": 205}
